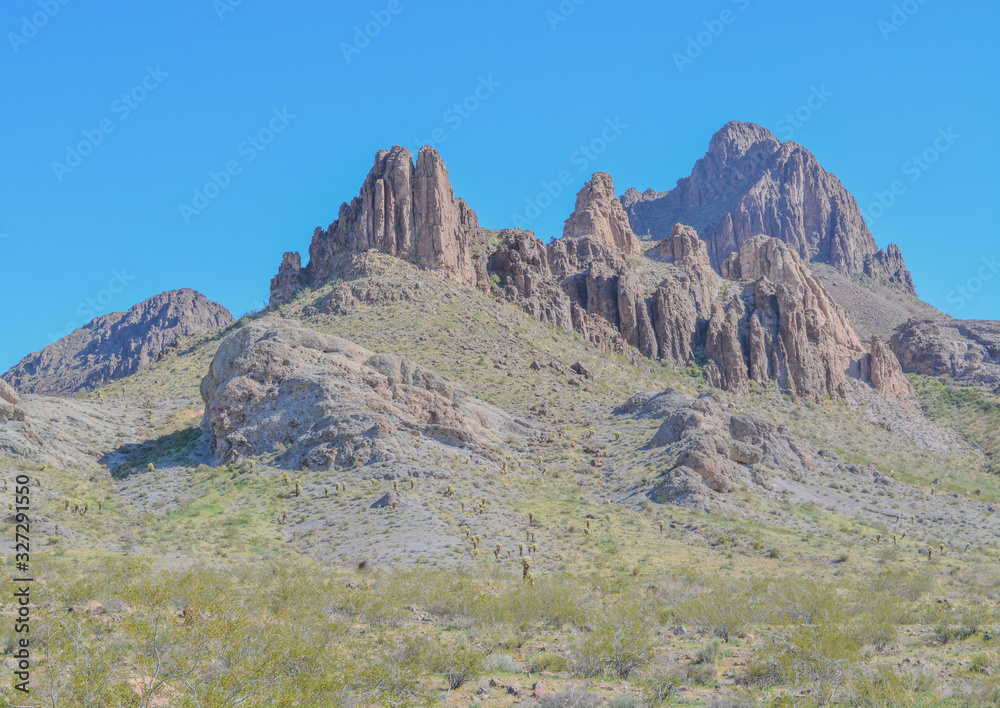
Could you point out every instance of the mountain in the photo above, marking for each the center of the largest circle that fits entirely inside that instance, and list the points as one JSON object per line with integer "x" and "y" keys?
{"x": 592, "y": 460}
{"x": 768, "y": 318}
{"x": 750, "y": 183}
{"x": 116, "y": 345}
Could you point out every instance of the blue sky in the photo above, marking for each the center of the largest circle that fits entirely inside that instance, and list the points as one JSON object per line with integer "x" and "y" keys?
{"x": 286, "y": 104}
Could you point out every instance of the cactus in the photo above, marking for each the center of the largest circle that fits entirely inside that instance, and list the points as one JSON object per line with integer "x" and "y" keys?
{"x": 288, "y": 480}
{"x": 618, "y": 436}
{"x": 326, "y": 491}
{"x": 413, "y": 483}
{"x": 451, "y": 491}
{"x": 525, "y": 567}
{"x": 150, "y": 467}
{"x": 661, "y": 527}
{"x": 588, "y": 523}
{"x": 395, "y": 503}
{"x": 607, "y": 517}
{"x": 395, "y": 486}
{"x": 878, "y": 538}
{"x": 298, "y": 487}
{"x": 520, "y": 549}
{"x": 531, "y": 518}
{"x": 284, "y": 515}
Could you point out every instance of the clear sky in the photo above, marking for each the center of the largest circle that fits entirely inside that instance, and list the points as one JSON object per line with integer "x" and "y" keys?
{"x": 114, "y": 113}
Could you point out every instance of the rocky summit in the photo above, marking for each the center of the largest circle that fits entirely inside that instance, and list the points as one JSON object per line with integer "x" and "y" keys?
{"x": 750, "y": 183}
{"x": 114, "y": 346}
{"x": 404, "y": 209}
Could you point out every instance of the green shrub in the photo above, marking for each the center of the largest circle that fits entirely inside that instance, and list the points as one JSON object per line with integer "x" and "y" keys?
{"x": 619, "y": 644}
{"x": 709, "y": 653}
{"x": 458, "y": 661}
{"x": 548, "y": 661}
{"x": 503, "y": 663}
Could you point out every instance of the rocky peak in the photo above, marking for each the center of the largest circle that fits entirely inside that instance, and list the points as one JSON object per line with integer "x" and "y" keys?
{"x": 736, "y": 140}
{"x": 599, "y": 217}
{"x": 405, "y": 210}
{"x": 119, "y": 344}
{"x": 749, "y": 183}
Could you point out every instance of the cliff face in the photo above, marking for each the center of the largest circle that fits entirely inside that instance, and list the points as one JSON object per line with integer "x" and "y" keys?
{"x": 404, "y": 209}
{"x": 116, "y": 345}
{"x": 750, "y": 183}
{"x": 767, "y": 319}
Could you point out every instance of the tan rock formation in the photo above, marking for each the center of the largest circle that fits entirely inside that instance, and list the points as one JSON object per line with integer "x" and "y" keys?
{"x": 599, "y": 217}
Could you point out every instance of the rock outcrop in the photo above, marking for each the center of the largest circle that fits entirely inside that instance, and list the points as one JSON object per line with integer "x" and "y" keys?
{"x": 119, "y": 344}
{"x": 750, "y": 183}
{"x": 801, "y": 337}
{"x": 768, "y": 318}
{"x": 711, "y": 449}
{"x": 888, "y": 268}
{"x": 882, "y": 368}
{"x": 963, "y": 351}
{"x": 330, "y": 402}
{"x": 9, "y": 399}
{"x": 599, "y": 217}
{"x": 405, "y": 210}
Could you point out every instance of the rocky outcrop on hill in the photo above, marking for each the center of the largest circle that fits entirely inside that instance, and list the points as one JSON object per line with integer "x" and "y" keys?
{"x": 330, "y": 402}
{"x": 888, "y": 268}
{"x": 882, "y": 368}
{"x": 797, "y": 334}
{"x": 963, "y": 351}
{"x": 599, "y": 217}
{"x": 750, "y": 183}
{"x": 9, "y": 410}
{"x": 404, "y": 209}
{"x": 712, "y": 449}
{"x": 117, "y": 345}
